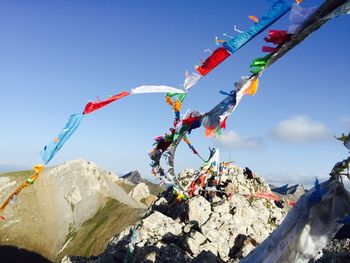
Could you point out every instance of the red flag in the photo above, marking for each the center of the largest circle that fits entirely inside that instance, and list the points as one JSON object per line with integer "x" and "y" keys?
{"x": 223, "y": 124}
{"x": 269, "y": 49}
{"x": 277, "y": 37}
{"x": 265, "y": 195}
{"x": 218, "y": 56}
{"x": 92, "y": 106}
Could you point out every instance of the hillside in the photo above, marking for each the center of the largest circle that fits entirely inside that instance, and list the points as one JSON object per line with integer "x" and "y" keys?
{"x": 81, "y": 200}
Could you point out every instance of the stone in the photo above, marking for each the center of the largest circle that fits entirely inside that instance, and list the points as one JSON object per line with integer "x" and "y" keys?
{"x": 140, "y": 191}
{"x": 209, "y": 246}
{"x": 161, "y": 205}
{"x": 222, "y": 208}
{"x": 66, "y": 259}
{"x": 188, "y": 228}
{"x": 224, "y": 251}
{"x": 194, "y": 241}
{"x": 151, "y": 256}
{"x": 247, "y": 248}
{"x": 210, "y": 228}
{"x": 159, "y": 225}
{"x": 199, "y": 209}
{"x": 160, "y": 202}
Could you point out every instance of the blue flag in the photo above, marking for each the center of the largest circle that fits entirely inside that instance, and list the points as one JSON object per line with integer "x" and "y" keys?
{"x": 51, "y": 149}
{"x": 278, "y": 9}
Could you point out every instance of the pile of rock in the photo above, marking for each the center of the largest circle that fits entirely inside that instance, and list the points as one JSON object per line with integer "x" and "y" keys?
{"x": 224, "y": 229}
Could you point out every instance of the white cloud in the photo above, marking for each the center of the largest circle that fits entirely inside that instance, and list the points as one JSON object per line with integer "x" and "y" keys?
{"x": 300, "y": 129}
{"x": 231, "y": 140}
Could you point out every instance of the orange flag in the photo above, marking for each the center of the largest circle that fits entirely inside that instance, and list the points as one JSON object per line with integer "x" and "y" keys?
{"x": 254, "y": 18}
{"x": 37, "y": 169}
{"x": 252, "y": 88}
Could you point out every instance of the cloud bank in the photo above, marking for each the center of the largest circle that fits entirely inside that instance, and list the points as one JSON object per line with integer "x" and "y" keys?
{"x": 300, "y": 129}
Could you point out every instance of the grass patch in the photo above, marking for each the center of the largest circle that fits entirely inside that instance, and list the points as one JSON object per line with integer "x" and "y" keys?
{"x": 71, "y": 234}
{"x": 98, "y": 224}
{"x": 94, "y": 234}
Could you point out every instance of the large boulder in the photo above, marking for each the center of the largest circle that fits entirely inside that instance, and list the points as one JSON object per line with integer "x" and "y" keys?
{"x": 199, "y": 210}
{"x": 140, "y": 191}
{"x": 158, "y": 225}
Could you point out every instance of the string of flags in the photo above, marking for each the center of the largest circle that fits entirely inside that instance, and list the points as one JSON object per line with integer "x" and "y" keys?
{"x": 215, "y": 120}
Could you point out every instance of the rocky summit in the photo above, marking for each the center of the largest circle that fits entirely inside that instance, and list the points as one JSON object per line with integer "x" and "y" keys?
{"x": 219, "y": 226}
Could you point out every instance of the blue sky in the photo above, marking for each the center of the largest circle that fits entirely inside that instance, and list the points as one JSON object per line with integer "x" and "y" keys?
{"x": 58, "y": 55}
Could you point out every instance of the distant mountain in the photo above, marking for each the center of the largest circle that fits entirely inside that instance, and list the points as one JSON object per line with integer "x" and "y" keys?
{"x": 293, "y": 192}
{"x": 135, "y": 178}
{"x": 13, "y": 167}
{"x": 74, "y": 208}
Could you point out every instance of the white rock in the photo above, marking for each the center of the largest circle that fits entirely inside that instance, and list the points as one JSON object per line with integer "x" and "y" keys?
{"x": 244, "y": 216}
{"x": 66, "y": 259}
{"x": 208, "y": 246}
{"x": 247, "y": 248}
{"x": 210, "y": 228}
{"x": 223, "y": 250}
{"x": 194, "y": 241}
{"x": 160, "y": 201}
{"x": 222, "y": 209}
{"x": 151, "y": 257}
{"x": 158, "y": 225}
{"x": 140, "y": 191}
{"x": 199, "y": 210}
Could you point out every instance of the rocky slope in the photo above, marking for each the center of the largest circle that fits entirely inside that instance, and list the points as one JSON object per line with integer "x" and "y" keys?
{"x": 74, "y": 208}
{"x": 227, "y": 228}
